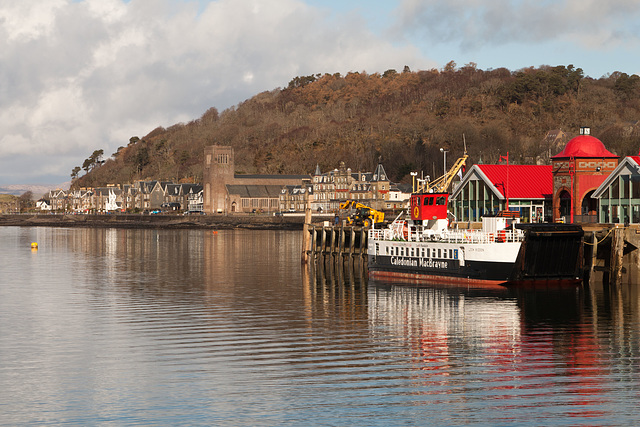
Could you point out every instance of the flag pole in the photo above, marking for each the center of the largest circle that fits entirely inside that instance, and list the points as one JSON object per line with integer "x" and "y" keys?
{"x": 507, "y": 181}
{"x": 506, "y": 190}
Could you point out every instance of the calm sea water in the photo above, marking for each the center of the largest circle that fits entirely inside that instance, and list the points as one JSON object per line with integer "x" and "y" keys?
{"x": 143, "y": 327}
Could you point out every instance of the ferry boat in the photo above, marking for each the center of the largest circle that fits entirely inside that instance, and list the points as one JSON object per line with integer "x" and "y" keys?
{"x": 425, "y": 248}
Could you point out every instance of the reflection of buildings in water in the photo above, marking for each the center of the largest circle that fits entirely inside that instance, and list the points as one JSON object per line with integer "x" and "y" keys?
{"x": 236, "y": 256}
{"x": 159, "y": 260}
{"x": 514, "y": 345}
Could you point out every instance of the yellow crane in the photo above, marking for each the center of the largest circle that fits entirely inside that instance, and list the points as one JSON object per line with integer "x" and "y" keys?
{"x": 441, "y": 184}
{"x": 362, "y": 214}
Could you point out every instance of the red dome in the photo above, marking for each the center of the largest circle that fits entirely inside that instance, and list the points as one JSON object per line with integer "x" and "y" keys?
{"x": 585, "y": 146}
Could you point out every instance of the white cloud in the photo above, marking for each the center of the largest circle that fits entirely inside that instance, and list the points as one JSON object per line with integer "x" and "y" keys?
{"x": 29, "y": 19}
{"x": 592, "y": 24}
{"x": 76, "y": 76}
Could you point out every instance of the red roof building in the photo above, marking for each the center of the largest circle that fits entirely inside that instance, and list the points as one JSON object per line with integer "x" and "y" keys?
{"x": 488, "y": 189}
{"x": 578, "y": 171}
{"x": 582, "y": 184}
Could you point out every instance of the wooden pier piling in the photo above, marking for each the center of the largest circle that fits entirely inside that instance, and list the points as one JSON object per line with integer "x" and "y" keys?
{"x": 611, "y": 255}
{"x": 335, "y": 241}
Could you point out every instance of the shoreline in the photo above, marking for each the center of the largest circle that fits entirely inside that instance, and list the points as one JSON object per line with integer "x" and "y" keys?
{"x": 256, "y": 222}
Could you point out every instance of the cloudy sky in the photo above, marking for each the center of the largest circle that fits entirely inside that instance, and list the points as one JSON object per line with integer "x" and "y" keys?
{"x": 81, "y": 75}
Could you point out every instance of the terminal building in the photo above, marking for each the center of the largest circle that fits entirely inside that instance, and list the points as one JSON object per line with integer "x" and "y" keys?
{"x": 582, "y": 184}
{"x": 489, "y": 189}
{"x": 578, "y": 171}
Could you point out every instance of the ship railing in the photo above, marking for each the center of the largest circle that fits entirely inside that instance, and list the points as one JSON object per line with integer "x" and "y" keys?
{"x": 403, "y": 232}
{"x": 479, "y": 236}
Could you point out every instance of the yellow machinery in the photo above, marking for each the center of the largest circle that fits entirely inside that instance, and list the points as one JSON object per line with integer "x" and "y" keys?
{"x": 361, "y": 215}
{"x": 441, "y": 185}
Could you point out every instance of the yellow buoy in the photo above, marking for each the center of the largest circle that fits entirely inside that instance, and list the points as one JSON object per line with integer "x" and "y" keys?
{"x": 34, "y": 245}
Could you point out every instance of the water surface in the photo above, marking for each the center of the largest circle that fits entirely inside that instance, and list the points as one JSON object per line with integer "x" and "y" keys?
{"x": 174, "y": 327}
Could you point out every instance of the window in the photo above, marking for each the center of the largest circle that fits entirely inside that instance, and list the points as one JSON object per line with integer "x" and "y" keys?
{"x": 625, "y": 186}
{"x": 440, "y": 200}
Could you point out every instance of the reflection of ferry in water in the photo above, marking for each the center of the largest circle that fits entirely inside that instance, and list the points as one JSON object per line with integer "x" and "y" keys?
{"x": 503, "y": 252}
{"x": 432, "y": 317}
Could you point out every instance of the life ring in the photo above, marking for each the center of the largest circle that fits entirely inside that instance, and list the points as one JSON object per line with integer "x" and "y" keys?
{"x": 416, "y": 212}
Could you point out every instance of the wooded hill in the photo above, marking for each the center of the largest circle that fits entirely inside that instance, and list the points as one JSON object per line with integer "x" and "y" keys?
{"x": 400, "y": 118}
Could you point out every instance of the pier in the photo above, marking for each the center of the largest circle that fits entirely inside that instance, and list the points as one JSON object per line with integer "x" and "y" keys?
{"x": 341, "y": 241}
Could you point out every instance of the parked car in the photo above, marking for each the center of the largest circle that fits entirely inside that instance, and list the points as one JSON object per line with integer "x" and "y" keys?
{"x": 194, "y": 213}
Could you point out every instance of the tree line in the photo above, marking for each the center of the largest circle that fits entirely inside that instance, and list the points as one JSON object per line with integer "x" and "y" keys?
{"x": 402, "y": 119}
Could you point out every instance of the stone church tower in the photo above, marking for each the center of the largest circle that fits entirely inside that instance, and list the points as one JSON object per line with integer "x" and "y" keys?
{"x": 218, "y": 172}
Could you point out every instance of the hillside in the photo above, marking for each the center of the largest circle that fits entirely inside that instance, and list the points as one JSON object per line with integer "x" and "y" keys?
{"x": 400, "y": 118}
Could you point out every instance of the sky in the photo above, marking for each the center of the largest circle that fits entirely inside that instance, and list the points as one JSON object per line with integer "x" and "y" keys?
{"x": 82, "y": 75}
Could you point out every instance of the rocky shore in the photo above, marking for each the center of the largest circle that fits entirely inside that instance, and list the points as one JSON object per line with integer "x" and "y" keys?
{"x": 258, "y": 222}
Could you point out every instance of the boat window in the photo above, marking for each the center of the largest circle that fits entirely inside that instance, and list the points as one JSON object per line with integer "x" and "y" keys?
{"x": 439, "y": 253}
{"x": 440, "y": 200}
{"x": 428, "y": 201}
{"x": 428, "y": 253}
{"x": 422, "y": 252}
{"x": 450, "y": 253}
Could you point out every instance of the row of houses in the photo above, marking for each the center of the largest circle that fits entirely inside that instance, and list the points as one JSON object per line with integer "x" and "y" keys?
{"x": 226, "y": 192}
{"x": 138, "y": 197}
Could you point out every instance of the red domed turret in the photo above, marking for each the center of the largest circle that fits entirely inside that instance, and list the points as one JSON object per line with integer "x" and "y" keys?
{"x": 585, "y": 146}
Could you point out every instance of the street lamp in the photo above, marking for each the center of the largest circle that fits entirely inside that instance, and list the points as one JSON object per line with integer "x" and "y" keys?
{"x": 413, "y": 178}
{"x": 444, "y": 152}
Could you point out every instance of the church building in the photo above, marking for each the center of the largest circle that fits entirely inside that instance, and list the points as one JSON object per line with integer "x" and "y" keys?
{"x": 227, "y": 192}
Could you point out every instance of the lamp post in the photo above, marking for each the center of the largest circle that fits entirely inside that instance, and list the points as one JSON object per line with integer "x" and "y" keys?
{"x": 444, "y": 152}
{"x": 413, "y": 179}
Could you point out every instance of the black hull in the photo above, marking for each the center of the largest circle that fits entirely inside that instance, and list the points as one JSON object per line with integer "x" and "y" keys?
{"x": 449, "y": 271}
